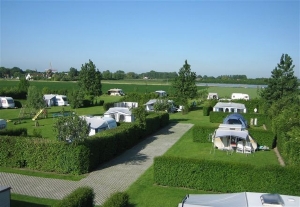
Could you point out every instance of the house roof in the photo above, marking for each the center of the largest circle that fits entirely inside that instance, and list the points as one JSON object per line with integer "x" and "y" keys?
{"x": 229, "y": 104}
{"x": 121, "y": 110}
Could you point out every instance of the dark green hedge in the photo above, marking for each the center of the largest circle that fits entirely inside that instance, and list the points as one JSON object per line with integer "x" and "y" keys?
{"x": 207, "y": 110}
{"x": 43, "y": 155}
{"x": 108, "y": 105}
{"x": 202, "y": 134}
{"x": 81, "y": 197}
{"x": 263, "y": 137}
{"x": 292, "y": 152}
{"x": 14, "y": 132}
{"x": 110, "y": 143}
{"x": 118, "y": 199}
{"x": 220, "y": 176}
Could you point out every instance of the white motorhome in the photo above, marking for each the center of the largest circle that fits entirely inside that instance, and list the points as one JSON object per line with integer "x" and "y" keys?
{"x": 240, "y": 96}
{"x": 7, "y": 102}
{"x": 115, "y": 92}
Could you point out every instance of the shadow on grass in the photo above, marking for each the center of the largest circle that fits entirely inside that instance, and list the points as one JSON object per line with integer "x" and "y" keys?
{"x": 15, "y": 203}
{"x": 178, "y": 120}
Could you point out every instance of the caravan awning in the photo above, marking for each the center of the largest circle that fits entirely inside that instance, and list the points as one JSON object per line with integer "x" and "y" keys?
{"x": 235, "y": 133}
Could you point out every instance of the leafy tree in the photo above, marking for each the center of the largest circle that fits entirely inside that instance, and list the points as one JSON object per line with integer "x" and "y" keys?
{"x": 184, "y": 85}
{"x": 119, "y": 75}
{"x": 162, "y": 105}
{"x": 73, "y": 73}
{"x": 140, "y": 114}
{"x": 35, "y": 98}
{"x": 282, "y": 83}
{"x": 75, "y": 98}
{"x": 107, "y": 75}
{"x": 23, "y": 84}
{"x": 90, "y": 79}
{"x": 71, "y": 128}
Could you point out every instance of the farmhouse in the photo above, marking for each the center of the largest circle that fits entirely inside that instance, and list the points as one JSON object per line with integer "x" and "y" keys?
{"x": 230, "y": 107}
{"x": 120, "y": 114}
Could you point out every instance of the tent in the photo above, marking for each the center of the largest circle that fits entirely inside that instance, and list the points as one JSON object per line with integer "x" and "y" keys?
{"x": 120, "y": 114}
{"x": 236, "y": 119}
{"x": 230, "y": 107}
{"x": 243, "y": 199}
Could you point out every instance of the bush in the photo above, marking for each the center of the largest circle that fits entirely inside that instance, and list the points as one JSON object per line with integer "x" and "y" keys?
{"x": 86, "y": 103}
{"x": 14, "y": 132}
{"x": 220, "y": 176}
{"x": 81, "y": 197}
{"x": 18, "y": 104}
{"x": 117, "y": 199}
{"x": 202, "y": 134}
{"x": 108, "y": 105}
{"x": 263, "y": 137}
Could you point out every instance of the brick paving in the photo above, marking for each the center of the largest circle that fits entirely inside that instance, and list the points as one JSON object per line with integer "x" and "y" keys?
{"x": 113, "y": 176}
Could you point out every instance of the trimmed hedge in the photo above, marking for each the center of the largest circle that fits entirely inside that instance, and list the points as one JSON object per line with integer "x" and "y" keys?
{"x": 108, "y": 105}
{"x": 14, "y": 132}
{"x": 202, "y": 134}
{"x": 220, "y": 176}
{"x": 263, "y": 137}
{"x": 81, "y": 197}
{"x": 118, "y": 199}
{"x": 43, "y": 155}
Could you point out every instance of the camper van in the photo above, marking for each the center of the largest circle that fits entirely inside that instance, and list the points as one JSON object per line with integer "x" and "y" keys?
{"x": 115, "y": 92}
{"x": 61, "y": 100}
{"x": 7, "y": 102}
{"x": 240, "y": 96}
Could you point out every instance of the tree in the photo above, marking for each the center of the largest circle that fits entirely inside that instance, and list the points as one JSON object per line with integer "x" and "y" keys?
{"x": 23, "y": 84}
{"x": 71, "y": 128}
{"x": 282, "y": 82}
{"x": 107, "y": 75}
{"x": 73, "y": 73}
{"x": 75, "y": 98}
{"x": 35, "y": 98}
{"x": 184, "y": 85}
{"x": 90, "y": 79}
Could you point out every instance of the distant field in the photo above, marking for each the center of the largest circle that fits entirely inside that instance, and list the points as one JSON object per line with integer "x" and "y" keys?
{"x": 141, "y": 86}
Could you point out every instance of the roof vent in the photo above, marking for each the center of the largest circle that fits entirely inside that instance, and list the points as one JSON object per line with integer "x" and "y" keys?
{"x": 271, "y": 200}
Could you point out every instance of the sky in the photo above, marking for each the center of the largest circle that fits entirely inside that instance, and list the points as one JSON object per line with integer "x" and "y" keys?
{"x": 215, "y": 37}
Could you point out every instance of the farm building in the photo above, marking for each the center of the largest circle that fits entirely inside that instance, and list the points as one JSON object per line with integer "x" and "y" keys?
{"x": 4, "y": 196}
{"x": 230, "y": 107}
{"x": 98, "y": 123}
{"x": 120, "y": 114}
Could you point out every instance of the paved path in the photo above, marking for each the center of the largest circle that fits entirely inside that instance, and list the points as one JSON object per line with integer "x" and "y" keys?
{"x": 116, "y": 175}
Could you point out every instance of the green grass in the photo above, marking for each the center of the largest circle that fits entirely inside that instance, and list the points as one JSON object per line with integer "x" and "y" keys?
{"x": 225, "y": 92}
{"x": 18, "y": 200}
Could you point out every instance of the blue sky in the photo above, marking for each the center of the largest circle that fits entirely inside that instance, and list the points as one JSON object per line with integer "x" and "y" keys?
{"x": 215, "y": 37}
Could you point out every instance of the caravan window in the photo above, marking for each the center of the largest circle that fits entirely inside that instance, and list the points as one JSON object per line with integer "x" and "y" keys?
{"x": 58, "y": 99}
{"x": 10, "y": 101}
{"x": 64, "y": 98}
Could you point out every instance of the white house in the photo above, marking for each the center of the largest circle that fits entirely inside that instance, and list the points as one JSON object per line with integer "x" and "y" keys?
{"x": 99, "y": 123}
{"x": 230, "y": 107}
{"x": 28, "y": 77}
{"x": 120, "y": 114}
{"x": 4, "y": 196}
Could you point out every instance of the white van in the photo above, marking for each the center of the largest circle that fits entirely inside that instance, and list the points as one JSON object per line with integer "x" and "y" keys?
{"x": 7, "y": 102}
{"x": 240, "y": 96}
{"x": 61, "y": 100}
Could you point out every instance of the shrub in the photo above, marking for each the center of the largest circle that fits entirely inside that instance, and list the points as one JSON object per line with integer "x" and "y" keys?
{"x": 202, "y": 133}
{"x": 81, "y": 197}
{"x": 14, "y": 132}
{"x": 108, "y": 105}
{"x": 118, "y": 199}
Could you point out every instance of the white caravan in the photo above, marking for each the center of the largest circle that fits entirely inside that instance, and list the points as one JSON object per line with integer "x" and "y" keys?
{"x": 61, "y": 100}
{"x": 243, "y": 96}
{"x": 212, "y": 96}
{"x": 115, "y": 92}
{"x": 7, "y": 102}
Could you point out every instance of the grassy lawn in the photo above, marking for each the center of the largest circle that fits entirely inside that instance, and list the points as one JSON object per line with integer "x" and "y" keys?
{"x": 27, "y": 201}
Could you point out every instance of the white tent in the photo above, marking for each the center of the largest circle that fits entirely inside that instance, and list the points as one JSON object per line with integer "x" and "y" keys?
{"x": 120, "y": 114}
{"x": 243, "y": 199}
